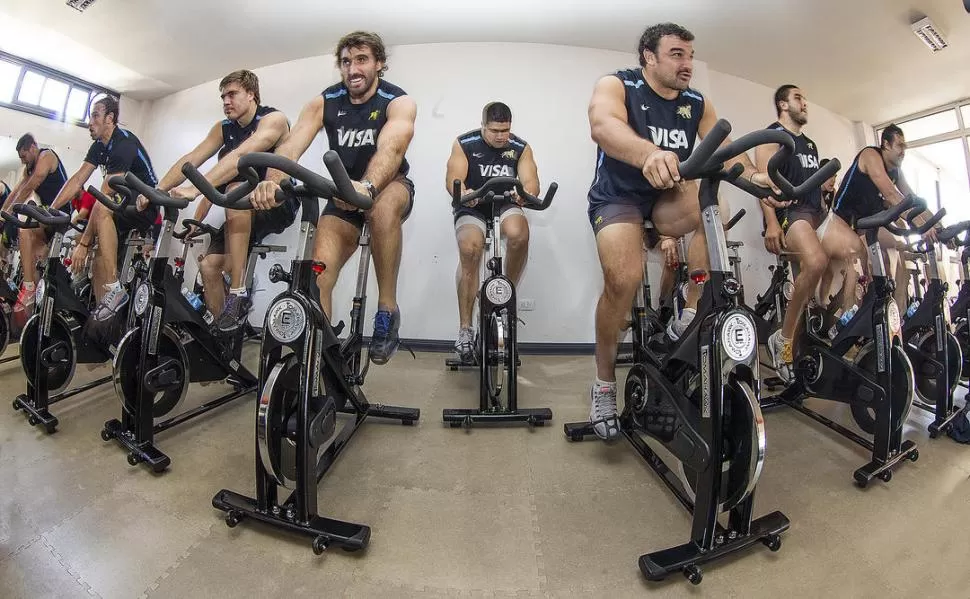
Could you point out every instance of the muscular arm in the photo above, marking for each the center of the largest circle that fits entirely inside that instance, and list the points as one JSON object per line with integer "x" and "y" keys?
{"x": 528, "y": 171}
{"x": 762, "y": 155}
{"x": 457, "y": 168}
{"x": 16, "y": 188}
{"x": 392, "y": 142}
{"x": 907, "y": 191}
{"x": 88, "y": 234}
{"x": 609, "y": 128}
{"x": 871, "y": 164}
{"x": 202, "y": 152}
{"x": 270, "y": 130}
{"x": 301, "y": 136}
{"x": 46, "y": 164}
{"x": 75, "y": 184}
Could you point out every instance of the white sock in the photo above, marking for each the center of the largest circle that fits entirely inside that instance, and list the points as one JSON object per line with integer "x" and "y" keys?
{"x": 113, "y": 286}
{"x": 29, "y": 286}
{"x": 611, "y": 385}
{"x": 241, "y": 291}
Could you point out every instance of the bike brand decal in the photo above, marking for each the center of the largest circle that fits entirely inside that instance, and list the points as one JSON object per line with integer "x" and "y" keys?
{"x": 156, "y": 323}
{"x": 738, "y": 337}
{"x": 705, "y": 381}
{"x": 881, "y": 347}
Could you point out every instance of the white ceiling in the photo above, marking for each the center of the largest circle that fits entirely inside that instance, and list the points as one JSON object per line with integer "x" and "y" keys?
{"x": 856, "y": 57}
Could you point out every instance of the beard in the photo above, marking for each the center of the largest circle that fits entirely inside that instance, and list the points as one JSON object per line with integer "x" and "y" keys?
{"x": 798, "y": 117}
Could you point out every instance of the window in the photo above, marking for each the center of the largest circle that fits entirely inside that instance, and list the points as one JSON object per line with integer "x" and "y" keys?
{"x": 33, "y": 88}
{"x": 966, "y": 116}
{"x": 9, "y": 76}
{"x": 929, "y": 126}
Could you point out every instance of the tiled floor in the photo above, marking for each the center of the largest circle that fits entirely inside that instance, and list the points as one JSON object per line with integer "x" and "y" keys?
{"x": 497, "y": 512}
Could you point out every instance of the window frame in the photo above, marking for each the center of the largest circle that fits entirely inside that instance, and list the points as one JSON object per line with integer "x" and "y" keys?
{"x": 48, "y": 74}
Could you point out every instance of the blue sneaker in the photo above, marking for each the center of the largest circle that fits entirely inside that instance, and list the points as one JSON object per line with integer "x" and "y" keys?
{"x": 385, "y": 340}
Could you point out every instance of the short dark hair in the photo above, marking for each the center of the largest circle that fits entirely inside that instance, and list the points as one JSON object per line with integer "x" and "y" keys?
{"x": 363, "y": 38}
{"x": 110, "y": 106}
{"x": 652, "y": 35}
{"x": 889, "y": 135}
{"x": 496, "y": 112}
{"x": 825, "y": 161}
{"x": 246, "y": 80}
{"x": 781, "y": 95}
{"x": 26, "y": 140}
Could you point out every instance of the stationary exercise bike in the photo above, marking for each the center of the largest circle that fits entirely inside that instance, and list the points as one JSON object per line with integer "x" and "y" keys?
{"x": 960, "y": 308}
{"x": 497, "y": 351}
{"x": 306, "y": 374}
{"x": 878, "y": 382}
{"x": 53, "y": 341}
{"x": 700, "y": 400}
{"x": 170, "y": 346}
{"x": 932, "y": 349}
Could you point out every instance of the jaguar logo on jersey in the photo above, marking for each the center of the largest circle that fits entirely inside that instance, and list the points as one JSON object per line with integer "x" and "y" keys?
{"x": 684, "y": 111}
{"x": 811, "y": 146}
{"x": 496, "y": 170}
{"x": 808, "y": 161}
{"x": 510, "y": 154}
{"x": 373, "y": 115}
{"x": 354, "y": 138}
{"x": 672, "y": 139}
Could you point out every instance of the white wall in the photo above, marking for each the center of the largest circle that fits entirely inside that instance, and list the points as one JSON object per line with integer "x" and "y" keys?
{"x": 548, "y": 89}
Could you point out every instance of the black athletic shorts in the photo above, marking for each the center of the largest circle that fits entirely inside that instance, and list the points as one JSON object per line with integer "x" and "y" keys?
{"x": 602, "y": 214}
{"x": 143, "y": 223}
{"x": 812, "y": 216}
{"x": 265, "y": 222}
{"x": 356, "y": 217}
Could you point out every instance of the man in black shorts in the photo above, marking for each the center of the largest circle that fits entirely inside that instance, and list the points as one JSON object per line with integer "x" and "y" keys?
{"x": 872, "y": 183}
{"x": 645, "y": 122}
{"x": 369, "y": 123}
{"x": 248, "y": 127}
{"x": 813, "y": 235}
{"x": 476, "y": 157}
{"x": 117, "y": 151}
{"x": 43, "y": 175}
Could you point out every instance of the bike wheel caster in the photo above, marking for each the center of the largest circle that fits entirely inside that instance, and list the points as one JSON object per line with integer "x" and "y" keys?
{"x": 133, "y": 459}
{"x": 105, "y": 435}
{"x": 914, "y": 456}
{"x": 32, "y": 421}
{"x": 50, "y": 428}
{"x": 467, "y": 424}
{"x": 934, "y": 433}
{"x": 233, "y": 518}
{"x": 772, "y": 542}
{"x": 886, "y": 476}
{"x": 16, "y": 405}
{"x": 693, "y": 574}
{"x": 320, "y": 545}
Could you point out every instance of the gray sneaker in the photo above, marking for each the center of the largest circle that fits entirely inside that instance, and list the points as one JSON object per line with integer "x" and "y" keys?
{"x": 602, "y": 411}
{"x": 111, "y": 303}
{"x": 678, "y": 326}
{"x": 234, "y": 314}
{"x": 465, "y": 345}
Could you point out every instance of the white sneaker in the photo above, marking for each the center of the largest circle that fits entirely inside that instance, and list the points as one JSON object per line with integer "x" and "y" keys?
{"x": 677, "y": 326}
{"x": 602, "y": 411}
{"x": 780, "y": 351}
{"x": 465, "y": 345}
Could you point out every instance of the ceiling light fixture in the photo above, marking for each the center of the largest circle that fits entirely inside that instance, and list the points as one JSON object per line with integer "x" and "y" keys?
{"x": 80, "y": 5}
{"x": 928, "y": 33}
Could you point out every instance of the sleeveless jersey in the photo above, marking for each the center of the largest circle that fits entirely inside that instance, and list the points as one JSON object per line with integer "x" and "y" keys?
{"x": 802, "y": 165}
{"x": 122, "y": 153}
{"x": 234, "y": 134}
{"x": 352, "y": 129}
{"x": 485, "y": 161}
{"x": 51, "y": 185}
{"x": 858, "y": 197}
{"x": 669, "y": 124}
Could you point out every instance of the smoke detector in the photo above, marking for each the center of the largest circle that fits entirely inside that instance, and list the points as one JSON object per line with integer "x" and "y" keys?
{"x": 80, "y": 5}
{"x": 928, "y": 33}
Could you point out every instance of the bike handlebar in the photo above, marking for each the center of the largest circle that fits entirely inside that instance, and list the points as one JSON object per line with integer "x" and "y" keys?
{"x": 884, "y": 217}
{"x": 154, "y": 196}
{"x": 20, "y": 224}
{"x": 952, "y": 231}
{"x": 735, "y": 219}
{"x": 41, "y": 214}
{"x": 485, "y": 193}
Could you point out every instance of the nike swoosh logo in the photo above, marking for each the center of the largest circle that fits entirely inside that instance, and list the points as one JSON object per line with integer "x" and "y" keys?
{"x": 477, "y": 155}
{"x": 644, "y": 107}
{"x": 341, "y": 113}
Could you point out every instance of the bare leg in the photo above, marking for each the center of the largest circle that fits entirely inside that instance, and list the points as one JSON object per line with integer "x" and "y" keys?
{"x": 107, "y": 242}
{"x": 621, "y": 258}
{"x": 515, "y": 229}
{"x": 336, "y": 241}
{"x": 385, "y": 225}
{"x": 471, "y": 243}
{"x": 211, "y": 269}
{"x": 812, "y": 261}
{"x": 238, "y": 228}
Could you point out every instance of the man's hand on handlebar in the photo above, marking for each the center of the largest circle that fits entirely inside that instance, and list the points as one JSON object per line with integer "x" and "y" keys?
{"x": 662, "y": 169}
{"x": 930, "y": 236}
{"x": 668, "y": 246}
{"x": 264, "y": 196}
{"x": 774, "y": 239}
{"x": 763, "y": 180}
{"x": 78, "y": 256}
{"x": 468, "y": 193}
{"x": 187, "y": 192}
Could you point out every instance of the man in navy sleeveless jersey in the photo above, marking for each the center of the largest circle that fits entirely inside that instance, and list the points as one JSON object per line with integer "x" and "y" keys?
{"x": 645, "y": 122}
{"x": 369, "y": 123}
{"x": 44, "y": 175}
{"x": 248, "y": 127}
{"x": 805, "y": 228}
{"x": 874, "y": 182}
{"x": 476, "y": 157}
{"x": 116, "y": 151}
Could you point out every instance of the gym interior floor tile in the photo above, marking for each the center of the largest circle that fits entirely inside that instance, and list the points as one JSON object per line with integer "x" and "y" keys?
{"x": 500, "y": 512}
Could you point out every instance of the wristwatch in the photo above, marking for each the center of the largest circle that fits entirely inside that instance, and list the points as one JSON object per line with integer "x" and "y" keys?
{"x": 370, "y": 188}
